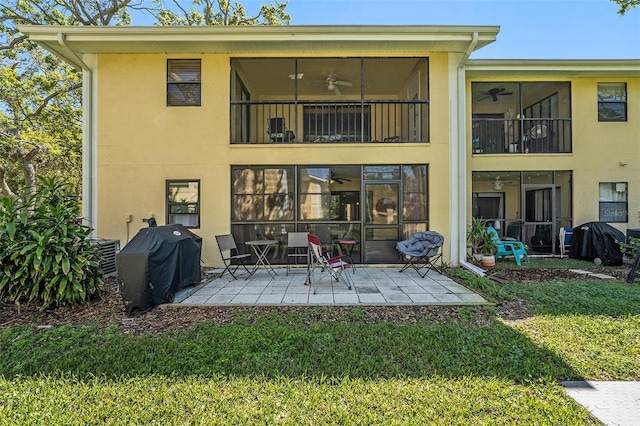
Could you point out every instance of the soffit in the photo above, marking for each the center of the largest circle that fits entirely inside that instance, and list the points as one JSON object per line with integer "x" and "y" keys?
{"x": 552, "y": 68}
{"x": 68, "y": 42}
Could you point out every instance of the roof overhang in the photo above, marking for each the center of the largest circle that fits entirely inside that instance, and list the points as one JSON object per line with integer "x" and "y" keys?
{"x": 70, "y": 43}
{"x": 498, "y": 68}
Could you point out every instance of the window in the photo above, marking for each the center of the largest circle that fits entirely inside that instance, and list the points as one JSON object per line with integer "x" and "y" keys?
{"x": 612, "y": 102}
{"x": 613, "y": 202}
{"x": 183, "y": 203}
{"x": 183, "y": 82}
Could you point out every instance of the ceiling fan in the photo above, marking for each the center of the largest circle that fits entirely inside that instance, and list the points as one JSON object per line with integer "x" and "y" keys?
{"x": 338, "y": 180}
{"x": 498, "y": 184}
{"x": 538, "y": 131}
{"x": 494, "y": 93}
{"x": 332, "y": 83}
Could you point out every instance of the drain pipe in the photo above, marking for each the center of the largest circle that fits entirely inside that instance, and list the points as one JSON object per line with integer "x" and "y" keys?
{"x": 89, "y": 201}
{"x": 459, "y": 167}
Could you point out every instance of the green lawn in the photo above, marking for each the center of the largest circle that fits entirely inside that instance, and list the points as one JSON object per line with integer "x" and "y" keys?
{"x": 295, "y": 369}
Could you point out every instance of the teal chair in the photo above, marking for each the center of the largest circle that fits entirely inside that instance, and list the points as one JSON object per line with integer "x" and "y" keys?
{"x": 513, "y": 248}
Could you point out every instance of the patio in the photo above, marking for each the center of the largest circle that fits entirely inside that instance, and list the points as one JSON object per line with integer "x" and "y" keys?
{"x": 371, "y": 286}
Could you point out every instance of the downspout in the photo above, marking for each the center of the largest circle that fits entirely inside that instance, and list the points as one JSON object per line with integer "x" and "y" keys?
{"x": 459, "y": 169}
{"x": 89, "y": 201}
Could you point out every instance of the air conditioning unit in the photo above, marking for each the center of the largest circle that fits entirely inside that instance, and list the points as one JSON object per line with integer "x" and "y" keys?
{"x": 108, "y": 249}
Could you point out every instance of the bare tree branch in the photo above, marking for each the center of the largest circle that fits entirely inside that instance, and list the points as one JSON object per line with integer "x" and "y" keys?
{"x": 14, "y": 43}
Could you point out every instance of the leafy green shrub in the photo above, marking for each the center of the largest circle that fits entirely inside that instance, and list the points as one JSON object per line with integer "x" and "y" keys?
{"x": 45, "y": 256}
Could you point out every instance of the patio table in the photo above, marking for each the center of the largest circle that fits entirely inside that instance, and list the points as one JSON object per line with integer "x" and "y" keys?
{"x": 346, "y": 247}
{"x": 261, "y": 249}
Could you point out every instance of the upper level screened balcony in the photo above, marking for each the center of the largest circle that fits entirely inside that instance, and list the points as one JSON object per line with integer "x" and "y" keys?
{"x": 517, "y": 117}
{"x": 329, "y": 100}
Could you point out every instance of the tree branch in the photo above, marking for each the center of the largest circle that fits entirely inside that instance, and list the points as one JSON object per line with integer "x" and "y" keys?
{"x": 53, "y": 95}
{"x": 4, "y": 188}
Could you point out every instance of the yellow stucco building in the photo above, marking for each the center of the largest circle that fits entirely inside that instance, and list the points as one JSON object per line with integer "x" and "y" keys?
{"x": 371, "y": 132}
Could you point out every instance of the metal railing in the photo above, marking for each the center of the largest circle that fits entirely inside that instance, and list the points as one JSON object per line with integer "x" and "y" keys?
{"x": 365, "y": 121}
{"x": 521, "y": 135}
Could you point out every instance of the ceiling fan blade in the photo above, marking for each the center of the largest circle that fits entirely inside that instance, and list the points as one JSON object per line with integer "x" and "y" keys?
{"x": 336, "y": 90}
{"x": 343, "y": 83}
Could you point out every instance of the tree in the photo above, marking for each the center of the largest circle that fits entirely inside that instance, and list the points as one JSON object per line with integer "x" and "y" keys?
{"x": 40, "y": 100}
{"x": 220, "y": 12}
{"x": 40, "y": 97}
{"x": 626, "y": 5}
{"x": 39, "y": 121}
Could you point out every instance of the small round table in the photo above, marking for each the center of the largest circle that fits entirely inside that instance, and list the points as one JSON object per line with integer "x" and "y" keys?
{"x": 261, "y": 249}
{"x": 346, "y": 247}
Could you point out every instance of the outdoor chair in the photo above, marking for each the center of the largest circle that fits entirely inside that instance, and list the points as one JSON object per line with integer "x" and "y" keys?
{"x": 335, "y": 266}
{"x": 421, "y": 251}
{"x": 278, "y": 132}
{"x": 508, "y": 248}
{"x": 566, "y": 235}
{"x": 231, "y": 258}
{"x": 297, "y": 248}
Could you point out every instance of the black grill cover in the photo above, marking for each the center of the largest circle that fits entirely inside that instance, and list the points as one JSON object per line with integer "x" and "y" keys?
{"x": 156, "y": 263}
{"x": 597, "y": 240}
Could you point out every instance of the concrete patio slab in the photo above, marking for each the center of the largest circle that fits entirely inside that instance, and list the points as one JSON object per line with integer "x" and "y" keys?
{"x": 371, "y": 286}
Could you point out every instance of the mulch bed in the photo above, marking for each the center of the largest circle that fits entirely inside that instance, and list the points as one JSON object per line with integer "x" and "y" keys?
{"x": 109, "y": 310}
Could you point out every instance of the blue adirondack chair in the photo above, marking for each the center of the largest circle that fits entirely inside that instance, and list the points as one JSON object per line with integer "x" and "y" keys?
{"x": 513, "y": 248}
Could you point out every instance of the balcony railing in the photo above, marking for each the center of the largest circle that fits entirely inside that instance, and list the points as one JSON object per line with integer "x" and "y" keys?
{"x": 367, "y": 121}
{"x": 522, "y": 135}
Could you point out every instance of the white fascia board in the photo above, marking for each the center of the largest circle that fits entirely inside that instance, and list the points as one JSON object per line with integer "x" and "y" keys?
{"x": 535, "y": 67}
{"x": 231, "y": 39}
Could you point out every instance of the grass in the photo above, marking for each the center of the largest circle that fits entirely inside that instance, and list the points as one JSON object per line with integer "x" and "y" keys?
{"x": 285, "y": 369}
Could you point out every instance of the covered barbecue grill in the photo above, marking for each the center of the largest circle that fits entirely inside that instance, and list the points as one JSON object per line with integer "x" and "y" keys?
{"x": 155, "y": 264}
{"x": 597, "y": 241}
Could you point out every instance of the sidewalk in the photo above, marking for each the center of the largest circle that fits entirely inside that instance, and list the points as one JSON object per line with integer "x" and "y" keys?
{"x": 613, "y": 403}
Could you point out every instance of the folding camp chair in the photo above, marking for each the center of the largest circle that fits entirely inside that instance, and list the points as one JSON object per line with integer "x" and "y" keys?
{"x": 420, "y": 251}
{"x": 335, "y": 266}
{"x": 230, "y": 255}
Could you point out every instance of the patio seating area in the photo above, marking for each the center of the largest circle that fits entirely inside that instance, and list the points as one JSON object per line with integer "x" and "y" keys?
{"x": 371, "y": 286}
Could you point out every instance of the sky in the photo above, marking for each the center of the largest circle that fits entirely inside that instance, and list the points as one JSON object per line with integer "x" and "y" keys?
{"x": 533, "y": 29}
{"x": 529, "y": 29}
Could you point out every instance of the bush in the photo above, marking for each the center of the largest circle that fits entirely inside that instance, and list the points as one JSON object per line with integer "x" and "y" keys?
{"x": 45, "y": 255}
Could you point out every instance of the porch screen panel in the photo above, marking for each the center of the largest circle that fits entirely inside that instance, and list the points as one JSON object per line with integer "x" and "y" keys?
{"x": 415, "y": 195}
{"x": 315, "y": 193}
{"x": 263, "y": 194}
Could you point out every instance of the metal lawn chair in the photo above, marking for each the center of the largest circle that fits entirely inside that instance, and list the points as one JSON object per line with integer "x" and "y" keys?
{"x": 297, "y": 248}
{"x": 231, "y": 258}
